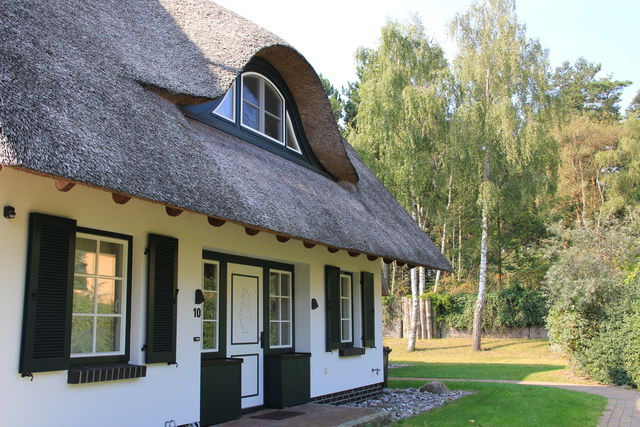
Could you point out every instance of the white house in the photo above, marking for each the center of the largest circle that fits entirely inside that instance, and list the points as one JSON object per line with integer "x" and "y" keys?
{"x": 185, "y": 234}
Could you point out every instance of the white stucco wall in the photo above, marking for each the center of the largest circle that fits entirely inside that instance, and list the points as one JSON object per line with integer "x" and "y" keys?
{"x": 167, "y": 392}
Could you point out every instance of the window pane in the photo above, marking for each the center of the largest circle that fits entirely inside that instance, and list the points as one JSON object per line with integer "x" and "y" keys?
{"x": 225, "y": 108}
{"x": 273, "y": 284}
{"x": 81, "y": 334}
{"x": 285, "y": 309}
{"x": 286, "y": 331}
{"x": 274, "y": 334}
{"x": 209, "y": 335}
{"x": 346, "y": 308}
{"x": 85, "y": 256}
{"x": 210, "y": 277}
{"x": 273, "y": 127}
{"x": 250, "y": 116}
{"x": 109, "y": 294}
{"x": 274, "y": 308}
{"x": 346, "y": 330}
{"x": 107, "y": 334}
{"x": 251, "y": 89}
{"x": 272, "y": 101}
{"x": 83, "y": 294}
{"x": 286, "y": 285}
{"x": 292, "y": 141}
{"x": 209, "y": 306}
{"x": 110, "y": 260}
{"x": 345, "y": 290}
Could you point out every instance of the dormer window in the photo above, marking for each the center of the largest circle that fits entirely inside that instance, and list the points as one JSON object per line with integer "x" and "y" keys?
{"x": 259, "y": 109}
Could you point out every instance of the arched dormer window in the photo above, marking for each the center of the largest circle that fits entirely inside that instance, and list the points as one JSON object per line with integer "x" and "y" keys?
{"x": 259, "y": 109}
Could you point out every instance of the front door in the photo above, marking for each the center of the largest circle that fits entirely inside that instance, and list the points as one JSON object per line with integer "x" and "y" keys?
{"x": 244, "y": 328}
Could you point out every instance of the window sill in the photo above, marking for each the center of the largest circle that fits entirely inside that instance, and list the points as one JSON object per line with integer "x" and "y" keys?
{"x": 114, "y": 372}
{"x": 351, "y": 351}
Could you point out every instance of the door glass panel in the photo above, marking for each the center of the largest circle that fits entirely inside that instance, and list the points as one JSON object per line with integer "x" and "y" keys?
{"x": 274, "y": 308}
{"x": 286, "y": 333}
{"x": 286, "y": 285}
{"x": 273, "y": 284}
{"x": 209, "y": 335}
{"x": 274, "y": 334}
{"x": 210, "y": 277}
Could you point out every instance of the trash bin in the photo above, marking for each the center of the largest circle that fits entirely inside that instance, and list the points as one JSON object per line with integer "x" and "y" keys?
{"x": 385, "y": 357}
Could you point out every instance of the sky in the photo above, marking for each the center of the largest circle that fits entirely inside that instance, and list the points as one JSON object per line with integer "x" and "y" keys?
{"x": 329, "y": 32}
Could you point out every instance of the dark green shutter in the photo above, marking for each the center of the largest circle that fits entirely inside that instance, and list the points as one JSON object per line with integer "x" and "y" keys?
{"x": 162, "y": 295}
{"x": 368, "y": 310}
{"x": 46, "y": 327}
{"x": 332, "y": 306}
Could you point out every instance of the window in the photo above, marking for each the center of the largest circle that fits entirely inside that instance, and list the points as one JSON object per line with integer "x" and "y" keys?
{"x": 279, "y": 309}
{"x": 346, "y": 316}
{"x": 99, "y": 296}
{"x": 210, "y": 306}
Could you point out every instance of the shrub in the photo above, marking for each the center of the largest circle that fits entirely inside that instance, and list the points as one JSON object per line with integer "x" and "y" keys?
{"x": 594, "y": 312}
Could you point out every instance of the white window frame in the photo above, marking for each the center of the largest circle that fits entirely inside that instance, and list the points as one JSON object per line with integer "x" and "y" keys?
{"x": 124, "y": 302}
{"x": 281, "y": 299}
{"x": 349, "y": 318}
{"x": 217, "y": 319}
{"x": 232, "y": 89}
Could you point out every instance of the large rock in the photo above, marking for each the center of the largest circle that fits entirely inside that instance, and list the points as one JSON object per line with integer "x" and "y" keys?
{"x": 435, "y": 387}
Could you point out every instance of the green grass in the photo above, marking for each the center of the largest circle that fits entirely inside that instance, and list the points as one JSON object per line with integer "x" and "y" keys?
{"x": 510, "y": 405}
{"x": 500, "y": 359}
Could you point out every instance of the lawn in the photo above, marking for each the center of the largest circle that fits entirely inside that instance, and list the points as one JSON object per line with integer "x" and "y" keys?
{"x": 503, "y": 359}
{"x": 510, "y": 405}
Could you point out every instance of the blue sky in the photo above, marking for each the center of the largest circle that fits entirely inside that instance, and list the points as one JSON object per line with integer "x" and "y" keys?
{"x": 328, "y": 32}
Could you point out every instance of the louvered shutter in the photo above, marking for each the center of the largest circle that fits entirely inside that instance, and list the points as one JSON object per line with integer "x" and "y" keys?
{"x": 162, "y": 295}
{"x": 332, "y": 306}
{"x": 368, "y": 310}
{"x": 46, "y": 329}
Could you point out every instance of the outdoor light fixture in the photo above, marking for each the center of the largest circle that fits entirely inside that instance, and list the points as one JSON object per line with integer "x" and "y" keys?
{"x": 314, "y": 304}
{"x": 9, "y": 212}
{"x": 199, "y": 296}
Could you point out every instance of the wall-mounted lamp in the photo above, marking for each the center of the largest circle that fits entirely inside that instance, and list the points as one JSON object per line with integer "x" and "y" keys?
{"x": 199, "y": 296}
{"x": 314, "y": 304}
{"x": 9, "y": 212}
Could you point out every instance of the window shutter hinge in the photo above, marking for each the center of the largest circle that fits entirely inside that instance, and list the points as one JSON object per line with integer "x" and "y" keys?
{"x": 27, "y": 374}
{"x": 146, "y": 251}
{"x": 144, "y": 348}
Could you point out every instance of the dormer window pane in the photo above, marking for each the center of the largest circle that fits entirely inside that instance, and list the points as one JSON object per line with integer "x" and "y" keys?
{"x": 272, "y": 101}
{"x": 250, "y": 117}
{"x": 273, "y": 127}
{"x": 251, "y": 90}
{"x": 226, "y": 107}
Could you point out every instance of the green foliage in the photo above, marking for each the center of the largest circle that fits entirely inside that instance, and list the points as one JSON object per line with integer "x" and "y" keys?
{"x": 512, "y": 307}
{"x": 594, "y": 295}
{"x": 334, "y": 97}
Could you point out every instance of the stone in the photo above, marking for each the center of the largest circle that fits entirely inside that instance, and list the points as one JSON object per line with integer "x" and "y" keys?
{"x": 435, "y": 387}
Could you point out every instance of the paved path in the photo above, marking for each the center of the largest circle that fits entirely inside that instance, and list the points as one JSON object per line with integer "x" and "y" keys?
{"x": 623, "y": 408}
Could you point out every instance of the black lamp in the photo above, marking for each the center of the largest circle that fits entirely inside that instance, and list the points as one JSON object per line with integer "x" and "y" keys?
{"x": 9, "y": 212}
{"x": 314, "y": 304}
{"x": 199, "y": 296}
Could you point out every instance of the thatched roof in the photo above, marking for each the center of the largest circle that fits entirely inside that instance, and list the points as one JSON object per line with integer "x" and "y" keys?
{"x": 79, "y": 84}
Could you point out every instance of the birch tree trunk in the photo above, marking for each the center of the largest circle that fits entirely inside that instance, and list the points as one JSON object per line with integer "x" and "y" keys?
{"x": 477, "y": 313}
{"x": 424, "y": 318}
{"x": 415, "y": 311}
{"x": 386, "y": 286}
{"x": 444, "y": 232}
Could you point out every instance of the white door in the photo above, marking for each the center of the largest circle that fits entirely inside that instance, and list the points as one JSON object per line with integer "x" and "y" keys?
{"x": 244, "y": 299}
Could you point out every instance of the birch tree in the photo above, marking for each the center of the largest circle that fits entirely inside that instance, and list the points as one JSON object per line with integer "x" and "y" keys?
{"x": 499, "y": 120}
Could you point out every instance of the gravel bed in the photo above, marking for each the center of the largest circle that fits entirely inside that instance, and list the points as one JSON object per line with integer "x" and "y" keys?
{"x": 404, "y": 403}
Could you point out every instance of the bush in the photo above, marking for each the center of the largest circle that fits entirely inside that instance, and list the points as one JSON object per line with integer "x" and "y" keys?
{"x": 513, "y": 307}
{"x": 594, "y": 291}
